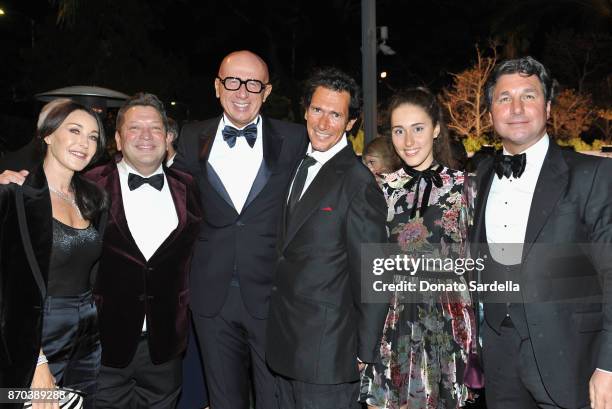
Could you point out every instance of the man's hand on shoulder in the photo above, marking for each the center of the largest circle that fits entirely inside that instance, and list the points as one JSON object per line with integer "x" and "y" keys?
{"x": 600, "y": 390}
{"x": 9, "y": 176}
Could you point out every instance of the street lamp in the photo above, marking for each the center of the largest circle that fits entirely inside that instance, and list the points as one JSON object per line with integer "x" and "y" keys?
{"x": 8, "y": 13}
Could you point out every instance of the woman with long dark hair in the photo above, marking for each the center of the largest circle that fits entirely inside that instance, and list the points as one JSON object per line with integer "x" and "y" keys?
{"x": 50, "y": 241}
{"x": 426, "y": 343}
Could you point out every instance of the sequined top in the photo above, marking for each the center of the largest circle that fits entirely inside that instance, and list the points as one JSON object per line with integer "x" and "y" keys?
{"x": 73, "y": 255}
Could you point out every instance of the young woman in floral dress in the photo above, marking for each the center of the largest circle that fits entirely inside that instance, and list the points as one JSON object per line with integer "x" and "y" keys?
{"x": 425, "y": 344}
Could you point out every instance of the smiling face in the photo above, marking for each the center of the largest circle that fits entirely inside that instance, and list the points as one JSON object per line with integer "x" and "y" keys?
{"x": 327, "y": 118}
{"x": 519, "y": 111}
{"x": 143, "y": 139}
{"x": 242, "y": 106}
{"x": 413, "y": 134}
{"x": 72, "y": 145}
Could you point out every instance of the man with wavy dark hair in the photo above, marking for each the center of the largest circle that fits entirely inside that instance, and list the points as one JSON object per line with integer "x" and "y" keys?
{"x": 544, "y": 216}
{"x": 320, "y": 332}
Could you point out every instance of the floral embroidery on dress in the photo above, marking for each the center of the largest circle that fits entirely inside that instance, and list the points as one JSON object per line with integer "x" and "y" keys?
{"x": 424, "y": 345}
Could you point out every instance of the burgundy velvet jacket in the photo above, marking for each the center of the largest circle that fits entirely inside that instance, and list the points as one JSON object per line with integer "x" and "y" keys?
{"x": 128, "y": 287}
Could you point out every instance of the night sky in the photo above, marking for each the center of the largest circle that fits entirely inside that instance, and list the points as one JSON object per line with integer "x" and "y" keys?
{"x": 173, "y": 47}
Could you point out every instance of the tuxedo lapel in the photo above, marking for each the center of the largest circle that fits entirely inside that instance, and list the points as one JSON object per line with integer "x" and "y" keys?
{"x": 117, "y": 212}
{"x": 215, "y": 181}
{"x": 207, "y": 139}
{"x": 272, "y": 144}
{"x": 178, "y": 191}
{"x": 551, "y": 184}
{"x": 484, "y": 181}
{"x": 322, "y": 184}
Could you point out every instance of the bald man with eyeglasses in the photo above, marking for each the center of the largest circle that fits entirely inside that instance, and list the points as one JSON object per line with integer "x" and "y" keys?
{"x": 243, "y": 162}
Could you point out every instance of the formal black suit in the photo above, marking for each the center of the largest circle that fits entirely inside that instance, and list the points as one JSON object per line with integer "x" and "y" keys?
{"x": 318, "y": 327}
{"x": 129, "y": 286}
{"x": 571, "y": 333}
{"x": 234, "y": 258}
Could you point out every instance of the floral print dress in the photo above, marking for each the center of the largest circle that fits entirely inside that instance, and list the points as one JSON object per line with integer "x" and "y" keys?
{"x": 425, "y": 344}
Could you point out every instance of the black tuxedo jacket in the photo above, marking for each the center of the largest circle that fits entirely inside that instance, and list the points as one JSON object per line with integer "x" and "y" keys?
{"x": 571, "y": 331}
{"x": 318, "y": 326}
{"x": 128, "y": 286}
{"x": 233, "y": 244}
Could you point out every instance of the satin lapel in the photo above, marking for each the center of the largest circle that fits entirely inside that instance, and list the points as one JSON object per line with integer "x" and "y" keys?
{"x": 322, "y": 184}
{"x": 37, "y": 219}
{"x": 272, "y": 145}
{"x": 551, "y": 184}
{"x": 285, "y": 200}
{"x": 484, "y": 181}
{"x": 207, "y": 139}
{"x": 215, "y": 181}
{"x": 117, "y": 212}
{"x": 179, "y": 197}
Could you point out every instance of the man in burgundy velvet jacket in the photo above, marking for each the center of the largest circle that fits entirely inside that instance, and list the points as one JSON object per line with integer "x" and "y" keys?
{"x": 142, "y": 288}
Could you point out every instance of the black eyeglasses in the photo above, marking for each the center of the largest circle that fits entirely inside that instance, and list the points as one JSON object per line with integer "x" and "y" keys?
{"x": 234, "y": 83}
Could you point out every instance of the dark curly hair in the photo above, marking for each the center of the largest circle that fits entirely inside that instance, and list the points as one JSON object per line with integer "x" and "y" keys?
{"x": 525, "y": 66}
{"x": 335, "y": 80}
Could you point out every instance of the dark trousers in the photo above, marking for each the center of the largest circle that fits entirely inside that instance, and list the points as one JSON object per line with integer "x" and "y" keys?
{"x": 194, "y": 394}
{"x": 233, "y": 350}
{"x": 512, "y": 379}
{"x": 141, "y": 384}
{"x": 294, "y": 394}
{"x": 71, "y": 342}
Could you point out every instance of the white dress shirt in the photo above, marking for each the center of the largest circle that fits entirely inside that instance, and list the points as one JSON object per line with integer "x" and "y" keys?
{"x": 508, "y": 206}
{"x": 322, "y": 158}
{"x": 237, "y": 167}
{"x": 150, "y": 213}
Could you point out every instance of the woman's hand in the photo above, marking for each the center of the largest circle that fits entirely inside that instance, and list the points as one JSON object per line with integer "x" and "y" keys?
{"x": 43, "y": 380}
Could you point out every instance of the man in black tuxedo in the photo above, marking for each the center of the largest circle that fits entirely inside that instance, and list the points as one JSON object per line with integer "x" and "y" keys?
{"x": 243, "y": 163}
{"x": 535, "y": 204}
{"x": 319, "y": 331}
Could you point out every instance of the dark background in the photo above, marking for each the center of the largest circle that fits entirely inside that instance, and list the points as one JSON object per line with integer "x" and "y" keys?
{"x": 173, "y": 47}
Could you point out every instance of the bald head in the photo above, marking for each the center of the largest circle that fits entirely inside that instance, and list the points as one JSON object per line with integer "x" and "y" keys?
{"x": 241, "y": 106}
{"x": 244, "y": 58}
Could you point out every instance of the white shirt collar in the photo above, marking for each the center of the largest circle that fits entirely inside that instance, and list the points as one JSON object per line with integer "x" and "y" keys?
{"x": 226, "y": 121}
{"x": 126, "y": 169}
{"x": 536, "y": 153}
{"x": 323, "y": 157}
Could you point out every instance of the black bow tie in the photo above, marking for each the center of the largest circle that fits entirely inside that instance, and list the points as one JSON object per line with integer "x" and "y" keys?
{"x": 230, "y": 134}
{"x": 135, "y": 181}
{"x": 506, "y": 165}
{"x": 432, "y": 177}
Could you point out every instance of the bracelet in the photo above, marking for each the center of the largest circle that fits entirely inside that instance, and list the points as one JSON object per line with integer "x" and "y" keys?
{"x": 42, "y": 359}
